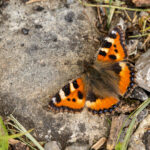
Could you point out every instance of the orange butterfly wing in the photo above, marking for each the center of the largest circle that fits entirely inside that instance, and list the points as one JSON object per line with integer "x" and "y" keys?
{"x": 71, "y": 97}
{"x": 113, "y": 51}
{"x": 127, "y": 75}
{"x": 113, "y": 48}
{"x": 102, "y": 105}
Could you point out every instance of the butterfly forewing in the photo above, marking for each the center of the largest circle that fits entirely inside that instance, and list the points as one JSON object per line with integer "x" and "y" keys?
{"x": 71, "y": 97}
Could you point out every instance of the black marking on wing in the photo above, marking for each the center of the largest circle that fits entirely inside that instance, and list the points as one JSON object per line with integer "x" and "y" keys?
{"x": 102, "y": 53}
{"x": 80, "y": 95}
{"x": 66, "y": 89}
{"x": 99, "y": 112}
{"x": 75, "y": 84}
{"x": 112, "y": 57}
{"x": 122, "y": 38}
{"x": 74, "y": 100}
{"x": 68, "y": 99}
{"x": 116, "y": 68}
{"x": 111, "y": 35}
{"x": 106, "y": 44}
{"x": 58, "y": 99}
{"x": 132, "y": 84}
{"x": 91, "y": 97}
{"x": 116, "y": 50}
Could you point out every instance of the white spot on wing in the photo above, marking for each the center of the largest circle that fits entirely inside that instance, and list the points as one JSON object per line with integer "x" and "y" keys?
{"x": 111, "y": 40}
{"x": 62, "y": 94}
{"x": 122, "y": 64}
{"x": 104, "y": 49}
{"x": 79, "y": 101}
{"x": 72, "y": 87}
{"x": 114, "y": 32}
{"x": 118, "y": 56}
{"x": 88, "y": 103}
{"x": 54, "y": 100}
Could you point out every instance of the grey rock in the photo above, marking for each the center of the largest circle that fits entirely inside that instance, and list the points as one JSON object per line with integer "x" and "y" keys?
{"x": 132, "y": 47}
{"x": 116, "y": 126}
{"x": 143, "y": 71}
{"x": 143, "y": 14}
{"x": 52, "y": 146}
{"x": 142, "y": 115}
{"x": 70, "y": 1}
{"x": 138, "y": 141}
{"x": 146, "y": 140}
{"x": 139, "y": 94}
{"x": 140, "y": 45}
{"x": 77, "y": 147}
{"x": 35, "y": 63}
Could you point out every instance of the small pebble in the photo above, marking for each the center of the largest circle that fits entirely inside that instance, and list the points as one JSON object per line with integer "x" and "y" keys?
{"x": 25, "y": 31}
{"x": 77, "y": 147}
{"x": 52, "y": 145}
{"x": 69, "y": 17}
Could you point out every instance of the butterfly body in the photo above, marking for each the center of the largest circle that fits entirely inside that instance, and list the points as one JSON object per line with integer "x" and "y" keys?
{"x": 102, "y": 79}
{"x": 102, "y": 83}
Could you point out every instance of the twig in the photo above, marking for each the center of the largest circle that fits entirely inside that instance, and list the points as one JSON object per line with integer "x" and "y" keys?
{"x": 33, "y": 1}
{"x": 108, "y": 6}
{"x": 99, "y": 15}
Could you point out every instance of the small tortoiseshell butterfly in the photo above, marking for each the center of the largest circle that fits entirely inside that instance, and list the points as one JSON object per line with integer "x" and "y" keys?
{"x": 102, "y": 83}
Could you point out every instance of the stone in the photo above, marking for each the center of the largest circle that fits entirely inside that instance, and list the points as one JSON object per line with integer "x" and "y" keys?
{"x": 146, "y": 140}
{"x": 77, "y": 147}
{"x": 142, "y": 115}
{"x": 52, "y": 145}
{"x": 137, "y": 139}
{"x": 139, "y": 94}
{"x": 116, "y": 126}
{"x": 144, "y": 14}
{"x": 132, "y": 47}
{"x": 35, "y": 63}
{"x": 143, "y": 71}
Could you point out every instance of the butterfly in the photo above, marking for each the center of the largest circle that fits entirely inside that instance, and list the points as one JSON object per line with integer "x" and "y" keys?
{"x": 102, "y": 83}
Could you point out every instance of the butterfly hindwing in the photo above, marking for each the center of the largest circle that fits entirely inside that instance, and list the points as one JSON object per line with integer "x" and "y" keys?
{"x": 126, "y": 74}
{"x": 70, "y": 98}
{"x": 101, "y": 105}
{"x": 113, "y": 48}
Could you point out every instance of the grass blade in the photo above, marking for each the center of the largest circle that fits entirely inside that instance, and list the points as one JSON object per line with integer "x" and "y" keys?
{"x": 29, "y": 136}
{"x": 133, "y": 115}
{"x": 3, "y": 132}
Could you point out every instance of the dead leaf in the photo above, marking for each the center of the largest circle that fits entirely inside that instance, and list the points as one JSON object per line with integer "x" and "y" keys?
{"x": 99, "y": 143}
{"x": 116, "y": 125}
{"x": 17, "y": 145}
